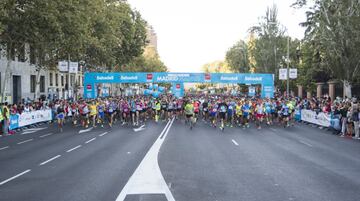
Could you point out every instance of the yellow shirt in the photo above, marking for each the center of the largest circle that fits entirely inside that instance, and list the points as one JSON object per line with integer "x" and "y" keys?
{"x": 93, "y": 109}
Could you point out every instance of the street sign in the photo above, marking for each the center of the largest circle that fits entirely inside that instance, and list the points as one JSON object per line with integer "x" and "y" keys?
{"x": 63, "y": 66}
{"x": 73, "y": 67}
{"x": 293, "y": 73}
{"x": 282, "y": 74}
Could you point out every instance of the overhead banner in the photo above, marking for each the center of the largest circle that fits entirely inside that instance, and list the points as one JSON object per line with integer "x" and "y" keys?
{"x": 265, "y": 80}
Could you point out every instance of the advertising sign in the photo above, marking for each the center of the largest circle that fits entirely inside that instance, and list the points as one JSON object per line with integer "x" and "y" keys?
{"x": 63, "y": 66}
{"x": 282, "y": 74}
{"x": 251, "y": 91}
{"x": 293, "y": 73}
{"x": 73, "y": 68}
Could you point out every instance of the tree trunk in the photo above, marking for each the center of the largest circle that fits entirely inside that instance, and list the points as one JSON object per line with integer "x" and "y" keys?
{"x": 37, "y": 85}
{"x": 347, "y": 89}
{"x": 6, "y": 76}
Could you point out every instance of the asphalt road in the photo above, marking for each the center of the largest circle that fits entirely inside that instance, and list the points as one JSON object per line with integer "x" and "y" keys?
{"x": 168, "y": 161}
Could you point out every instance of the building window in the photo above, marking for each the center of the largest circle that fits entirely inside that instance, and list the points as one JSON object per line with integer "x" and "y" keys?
{"x": 21, "y": 53}
{"x": 62, "y": 80}
{"x": 32, "y": 55}
{"x": 51, "y": 79}
{"x": 32, "y": 83}
{"x": 56, "y": 79}
{"x": 79, "y": 80}
{"x": 42, "y": 84}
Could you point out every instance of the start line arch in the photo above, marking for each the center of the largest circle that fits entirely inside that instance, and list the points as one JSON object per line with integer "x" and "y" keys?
{"x": 178, "y": 79}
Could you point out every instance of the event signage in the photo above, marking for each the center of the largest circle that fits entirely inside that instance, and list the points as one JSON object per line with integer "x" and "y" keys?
{"x": 293, "y": 73}
{"x": 265, "y": 80}
{"x": 73, "y": 67}
{"x": 320, "y": 118}
{"x": 63, "y": 66}
{"x": 251, "y": 91}
{"x": 28, "y": 118}
{"x": 282, "y": 74}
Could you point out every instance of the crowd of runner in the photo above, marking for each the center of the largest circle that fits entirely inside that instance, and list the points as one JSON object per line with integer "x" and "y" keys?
{"x": 217, "y": 111}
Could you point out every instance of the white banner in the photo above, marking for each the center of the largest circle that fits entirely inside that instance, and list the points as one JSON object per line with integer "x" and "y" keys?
{"x": 63, "y": 66}
{"x": 321, "y": 118}
{"x": 282, "y": 74}
{"x": 28, "y": 118}
{"x": 293, "y": 73}
{"x": 73, "y": 67}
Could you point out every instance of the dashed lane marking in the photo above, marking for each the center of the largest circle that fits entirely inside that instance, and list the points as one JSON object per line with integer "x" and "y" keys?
{"x": 2, "y": 148}
{"x": 25, "y": 141}
{"x": 45, "y": 135}
{"x": 14, "y": 177}
{"x": 235, "y": 142}
{"x": 102, "y": 134}
{"x": 72, "y": 149}
{"x": 51, "y": 159}
{"x": 305, "y": 143}
{"x": 86, "y": 130}
{"x": 90, "y": 140}
{"x": 32, "y": 130}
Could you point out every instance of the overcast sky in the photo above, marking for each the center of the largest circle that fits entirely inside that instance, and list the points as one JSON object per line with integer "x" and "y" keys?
{"x": 192, "y": 33}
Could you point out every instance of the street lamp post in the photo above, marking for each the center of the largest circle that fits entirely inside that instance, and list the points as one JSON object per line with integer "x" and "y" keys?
{"x": 288, "y": 66}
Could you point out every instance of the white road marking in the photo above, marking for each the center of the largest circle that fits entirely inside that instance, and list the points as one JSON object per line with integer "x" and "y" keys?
{"x": 45, "y": 135}
{"x": 128, "y": 152}
{"x": 51, "y": 159}
{"x": 14, "y": 177}
{"x": 72, "y": 149}
{"x": 86, "y": 130}
{"x": 32, "y": 130}
{"x": 274, "y": 130}
{"x": 102, "y": 134}
{"x": 25, "y": 141}
{"x": 305, "y": 143}
{"x": 139, "y": 129}
{"x": 90, "y": 140}
{"x": 2, "y": 148}
{"x": 147, "y": 178}
{"x": 235, "y": 142}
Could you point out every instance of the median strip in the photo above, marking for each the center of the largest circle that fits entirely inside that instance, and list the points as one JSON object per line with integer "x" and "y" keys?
{"x": 14, "y": 177}
{"x": 25, "y": 141}
{"x": 51, "y": 159}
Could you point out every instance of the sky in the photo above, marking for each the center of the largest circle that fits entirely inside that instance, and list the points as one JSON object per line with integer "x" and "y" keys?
{"x": 192, "y": 33}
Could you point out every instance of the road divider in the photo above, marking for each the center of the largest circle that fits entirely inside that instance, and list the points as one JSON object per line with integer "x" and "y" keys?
{"x": 147, "y": 178}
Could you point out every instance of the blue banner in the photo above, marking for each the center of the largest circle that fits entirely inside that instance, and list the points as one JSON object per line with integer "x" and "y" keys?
{"x": 178, "y": 90}
{"x": 266, "y": 80}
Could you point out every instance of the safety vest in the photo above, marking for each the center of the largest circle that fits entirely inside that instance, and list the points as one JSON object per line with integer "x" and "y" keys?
{"x": 1, "y": 115}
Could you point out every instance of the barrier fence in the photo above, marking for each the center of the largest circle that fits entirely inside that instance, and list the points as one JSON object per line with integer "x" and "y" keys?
{"x": 28, "y": 118}
{"x": 319, "y": 118}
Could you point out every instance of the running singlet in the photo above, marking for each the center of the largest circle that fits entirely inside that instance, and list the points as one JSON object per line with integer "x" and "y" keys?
{"x": 93, "y": 111}
{"x": 246, "y": 109}
{"x": 285, "y": 110}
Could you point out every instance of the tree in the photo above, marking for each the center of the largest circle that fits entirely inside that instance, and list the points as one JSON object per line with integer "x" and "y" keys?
{"x": 217, "y": 67}
{"x": 334, "y": 28}
{"x": 238, "y": 57}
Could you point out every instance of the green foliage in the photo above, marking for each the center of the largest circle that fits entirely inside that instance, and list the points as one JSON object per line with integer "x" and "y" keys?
{"x": 101, "y": 33}
{"x": 238, "y": 57}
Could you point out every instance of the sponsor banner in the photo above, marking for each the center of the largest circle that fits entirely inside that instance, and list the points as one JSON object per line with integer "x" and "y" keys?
{"x": 320, "y": 118}
{"x": 178, "y": 90}
{"x": 251, "y": 91}
{"x": 28, "y": 118}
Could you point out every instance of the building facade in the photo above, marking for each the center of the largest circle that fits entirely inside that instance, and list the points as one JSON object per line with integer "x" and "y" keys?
{"x": 22, "y": 78}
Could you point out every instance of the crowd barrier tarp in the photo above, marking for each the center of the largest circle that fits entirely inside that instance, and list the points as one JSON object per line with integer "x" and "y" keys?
{"x": 321, "y": 119}
{"x": 28, "y": 118}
